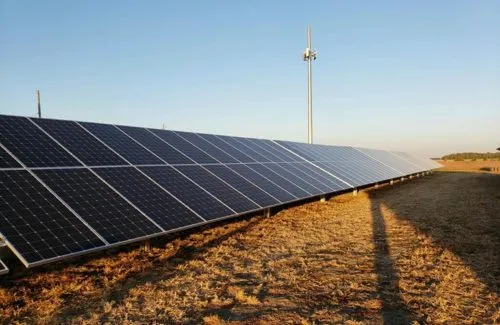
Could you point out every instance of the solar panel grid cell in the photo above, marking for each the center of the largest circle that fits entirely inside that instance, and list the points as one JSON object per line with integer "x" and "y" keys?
{"x": 30, "y": 145}
{"x": 263, "y": 182}
{"x": 6, "y": 160}
{"x": 156, "y": 203}
{"x": 122, "y": 144}
{"x": 188, "y": 192}
{"x": 101, "y": 207}
{"x": 229, "y": 196}
{"x": 37, "y": 225}
{"x": 279, "y": 180}
{"x": 156, "y": 145}
{"x": 234, "y": 152}
{"x": 245, "y": 149}
{"x": 208, "y": 147}
{"x": 249, "y": 189}
{"x": 79, "y": 142}
{"x": 184, "y": 146}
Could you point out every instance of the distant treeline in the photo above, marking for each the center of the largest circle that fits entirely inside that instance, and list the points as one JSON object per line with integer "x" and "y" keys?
{"x": 472, "y": 155}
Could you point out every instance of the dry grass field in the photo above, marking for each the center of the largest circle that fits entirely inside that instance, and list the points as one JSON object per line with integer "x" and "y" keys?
{"x": 478, "y": 165}
{"x": 424, "y": 251}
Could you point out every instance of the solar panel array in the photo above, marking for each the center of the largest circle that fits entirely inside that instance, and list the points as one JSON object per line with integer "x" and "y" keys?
{"x": 69, "y": 188}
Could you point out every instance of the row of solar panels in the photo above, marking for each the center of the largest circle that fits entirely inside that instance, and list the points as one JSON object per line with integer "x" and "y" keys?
{"x": 72, "y": 187}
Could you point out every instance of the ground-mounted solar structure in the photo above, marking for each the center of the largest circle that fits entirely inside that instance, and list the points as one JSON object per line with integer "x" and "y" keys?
{"x": 68, "y": 188}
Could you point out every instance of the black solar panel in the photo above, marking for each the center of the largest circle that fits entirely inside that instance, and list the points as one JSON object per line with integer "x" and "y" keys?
{"x": 283, "y": 171}
{"x": 279, "y": 180}
{"x": 218, "y": 188}
{"x": 277, "y": 150}
{"x": 30, "y": 145}
{"x": 267, "y": 155}
{"x": 6, "y": 160}
{"x": 245, "y": 149}
{"x": 133, "y": 152}
{"x": 208, "y": 147}
{"x": 307, "y": 176}
{"x": 263, "y": 183}
{"x": 38, "y": 226}
{"x": 83, "y": 145}
{"x": 237, "y": 154}
{"x": 188, "y": 192}
{"x": 102, "y": 208}
{"x": 334, "y": 183}
{"x": 156, "y": 145}
{"x": 249, "y": 189}
{"x": 160, "y": 206}
{"x": 184, "y": 146}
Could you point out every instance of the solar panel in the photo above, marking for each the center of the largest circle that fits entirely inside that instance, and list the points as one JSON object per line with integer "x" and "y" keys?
{"x": 188, "y": 192}
{"x": 285, "y": 172}
{"x": 149, "y": 197}
{"x": 264, "y": 183}
{"x": 101, "y": 207}
{"x": 218, "y": 188}
{"x": 184, "y": 146}
{"x": 6, "y": 160}
{"x": 124, "y": 145}
{"x": 229, "y": 149}
{"x": 208, "y": 147}
{"x": 138, "y": 183}
{"x": 245, "y": 186}
{"x": 33, "y": 147}
{"x": 156, "y": 145}
{"x": 3, "y": 268}
{"x": 269, "y": 156}
{"x": 79, "y": 142}
{"x": 245, "y": 149}
{"x": 279, "y": 180}
{"x": 37, "y": 225}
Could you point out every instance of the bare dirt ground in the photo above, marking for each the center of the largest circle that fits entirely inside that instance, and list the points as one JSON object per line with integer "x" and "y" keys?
{"x": 478, "y": 165}
{"x": 423, "y": 251}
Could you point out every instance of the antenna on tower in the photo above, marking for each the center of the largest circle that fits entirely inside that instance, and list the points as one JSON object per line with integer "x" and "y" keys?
{"x": 309, "y": 55}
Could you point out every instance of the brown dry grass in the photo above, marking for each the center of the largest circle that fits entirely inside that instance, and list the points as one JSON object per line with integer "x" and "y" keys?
{"x": 478, "y": 165}
{"x": 424, "y": 251}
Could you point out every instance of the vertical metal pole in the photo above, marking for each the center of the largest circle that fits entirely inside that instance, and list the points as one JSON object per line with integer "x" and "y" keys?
{"x": 39, "y": 105}
{"x": 309, "y": 88}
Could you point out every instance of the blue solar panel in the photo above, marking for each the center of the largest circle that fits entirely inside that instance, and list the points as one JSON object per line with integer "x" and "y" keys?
{"x": 279, "y": 180}
{"x": 155, "y": 202}
{"x": 101, "y": 207}
{"x": 6, "y": 160}
{"x": 234, "y": 152}
{"x": 256, "y": 194}
{"x": 226, "y": 194}
{"x": 82, "y": 144}
{"x": 188, "y": 192}
{"x": 117, "y": 140}
{"x": 245, "y": 149}
{"x": 184, "y": 146}
{"x": 277, "y": 150}
{"x": 264, "y": 183}
{"x": 269, "y": 156}
{"x": 30, "y": 145}
{"x": 36, "y": 224}
{"x": 208, "y": 147}
{"x": 156, "y": 145}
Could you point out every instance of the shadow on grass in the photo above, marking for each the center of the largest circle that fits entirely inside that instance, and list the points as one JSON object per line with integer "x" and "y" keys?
{"x": 394, "y": 310}
{"x": 459, "y": 211}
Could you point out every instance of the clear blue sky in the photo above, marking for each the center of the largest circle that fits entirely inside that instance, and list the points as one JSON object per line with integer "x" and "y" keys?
{"x": 420, "y": 76}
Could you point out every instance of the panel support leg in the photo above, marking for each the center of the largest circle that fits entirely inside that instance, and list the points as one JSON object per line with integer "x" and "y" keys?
{"x": 391, "y": 182}
{"x": 376, "y": 185}
{"x": 355, "y": 192}
{"x": 402, "y": 179}
{"x": 322, "y": 198}
{"x": 267, "y": 213}
{"x": 146, "y": 245}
